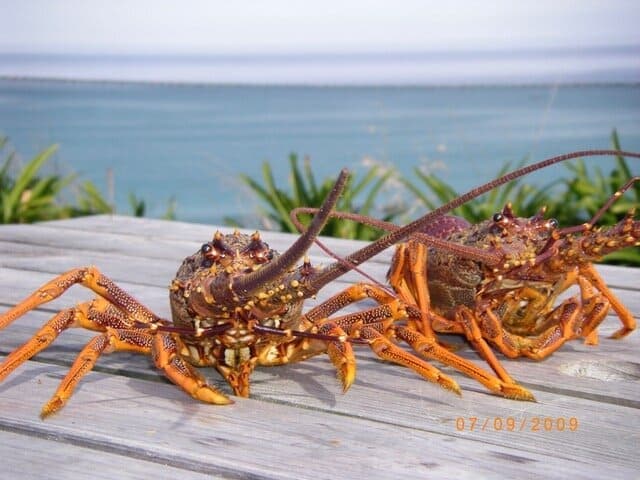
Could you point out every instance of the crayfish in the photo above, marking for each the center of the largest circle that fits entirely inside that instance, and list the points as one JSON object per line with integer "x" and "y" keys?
{"x": 498, "y": 282}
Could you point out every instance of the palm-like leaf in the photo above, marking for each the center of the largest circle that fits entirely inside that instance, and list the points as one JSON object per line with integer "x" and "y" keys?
{"x": 305, "y": 191}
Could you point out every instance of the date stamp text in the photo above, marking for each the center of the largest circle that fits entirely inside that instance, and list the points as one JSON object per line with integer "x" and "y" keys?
{"x": 513, "y": 424}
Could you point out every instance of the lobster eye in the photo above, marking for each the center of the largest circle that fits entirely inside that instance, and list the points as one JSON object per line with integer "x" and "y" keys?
{"x": 210, "y": 254}
{"x": 553, "y": 223}
{"x": 498, "y": 217}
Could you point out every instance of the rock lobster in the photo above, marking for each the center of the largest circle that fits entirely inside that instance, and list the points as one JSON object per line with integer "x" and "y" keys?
{"x": 498, "y": 282}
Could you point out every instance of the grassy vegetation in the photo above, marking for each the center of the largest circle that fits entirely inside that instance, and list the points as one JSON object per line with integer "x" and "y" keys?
{"x": 359, "y": 196}
{"x": 27, "y": 195}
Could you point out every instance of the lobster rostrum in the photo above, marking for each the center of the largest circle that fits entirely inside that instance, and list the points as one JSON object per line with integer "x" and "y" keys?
{"x": 498, "y": 282}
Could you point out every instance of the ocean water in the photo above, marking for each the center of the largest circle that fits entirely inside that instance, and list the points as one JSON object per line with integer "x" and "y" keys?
{"x": 191, "y": 142}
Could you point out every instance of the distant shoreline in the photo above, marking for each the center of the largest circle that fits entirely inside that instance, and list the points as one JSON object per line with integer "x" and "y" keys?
{"x": 186, "y": 83}
{"x": 436, "y": 69}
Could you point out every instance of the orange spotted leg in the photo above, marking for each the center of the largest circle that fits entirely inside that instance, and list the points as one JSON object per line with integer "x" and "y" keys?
{"x": 109, "y": 341}
{"x": 91, "y": 278}
{"x": 114, "y": 313}
{"x": 97, "y": 314}
{"x": 371, "y": 325}
{"x": 164, "y": 350}
{"x": 113, "y": 309}
{"x": 409, "y": 279}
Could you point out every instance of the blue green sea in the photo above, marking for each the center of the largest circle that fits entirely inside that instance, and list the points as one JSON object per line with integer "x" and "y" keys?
{"x": 191, "y": 142}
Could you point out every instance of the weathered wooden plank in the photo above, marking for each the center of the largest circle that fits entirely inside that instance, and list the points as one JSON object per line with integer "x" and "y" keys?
{"x": 182, "y": 231}
{"x": 393, "y": 396}
{"x": 24, "y": 455}
{"x": 269, "y": 440}
{"x": 598, "y": 386}
{"x": 122, "y": 267}
{"x": 138, "y": 241}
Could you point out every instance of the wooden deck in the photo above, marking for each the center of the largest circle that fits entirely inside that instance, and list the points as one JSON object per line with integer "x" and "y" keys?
{"x": 127, "y": 421}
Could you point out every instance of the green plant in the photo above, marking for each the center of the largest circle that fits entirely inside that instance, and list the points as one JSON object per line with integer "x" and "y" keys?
{"x": 90, "y": 201}
{"x": 359, "y": 196}
{"x": 139, "y": 207}
{"x": 28, "y": 196}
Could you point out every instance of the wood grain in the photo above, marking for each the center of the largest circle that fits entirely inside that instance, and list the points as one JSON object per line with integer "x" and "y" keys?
{"x": 127, "y": 420}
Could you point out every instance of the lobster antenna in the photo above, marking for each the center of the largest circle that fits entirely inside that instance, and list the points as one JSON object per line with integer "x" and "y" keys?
{"x": 311, "y": 335}
{"x": 251, "y": 281}
{"x": 331, "y": 253}
{"x": 318, "y": 280}
{"x": 470, "y": 252}
{"x": 612, "y": 199}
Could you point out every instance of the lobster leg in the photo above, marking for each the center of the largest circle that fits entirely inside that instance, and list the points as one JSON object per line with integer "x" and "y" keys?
{"x": 109, "y": 341}
{"x": 91, "y": 278}
{"x": 626, "y": 317}
{"x": 297, "y": 350}
{"x": 375, "y": 325}
{"x": 429, "y": 348}
{"x": 167, "y": 358}
{"x": 387, "y": 350}
{"x": 97, "y": 315}
{"x": 565, "y": 320}
{"x": 595, "y": 306}
{"x": 372, "y": 325}
{"x": 410, "y": 281}
{"x": 340, "y": 354}
{"x": 408, "y": 278}
{"x": 571, "y": 319}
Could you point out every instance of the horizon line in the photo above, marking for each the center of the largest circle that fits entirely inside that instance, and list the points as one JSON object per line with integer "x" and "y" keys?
{"x": 183, "y": 83}
{"x": 319, "y": 54}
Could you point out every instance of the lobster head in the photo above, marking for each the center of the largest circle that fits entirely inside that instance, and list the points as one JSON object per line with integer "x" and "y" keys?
{"x": 527, "y": 243}
{"x": 505, "y": 241}
{"x": 235, "y": 254}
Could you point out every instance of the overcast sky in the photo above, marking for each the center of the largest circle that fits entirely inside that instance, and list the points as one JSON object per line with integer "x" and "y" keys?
{"x": 281, "y": 26}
